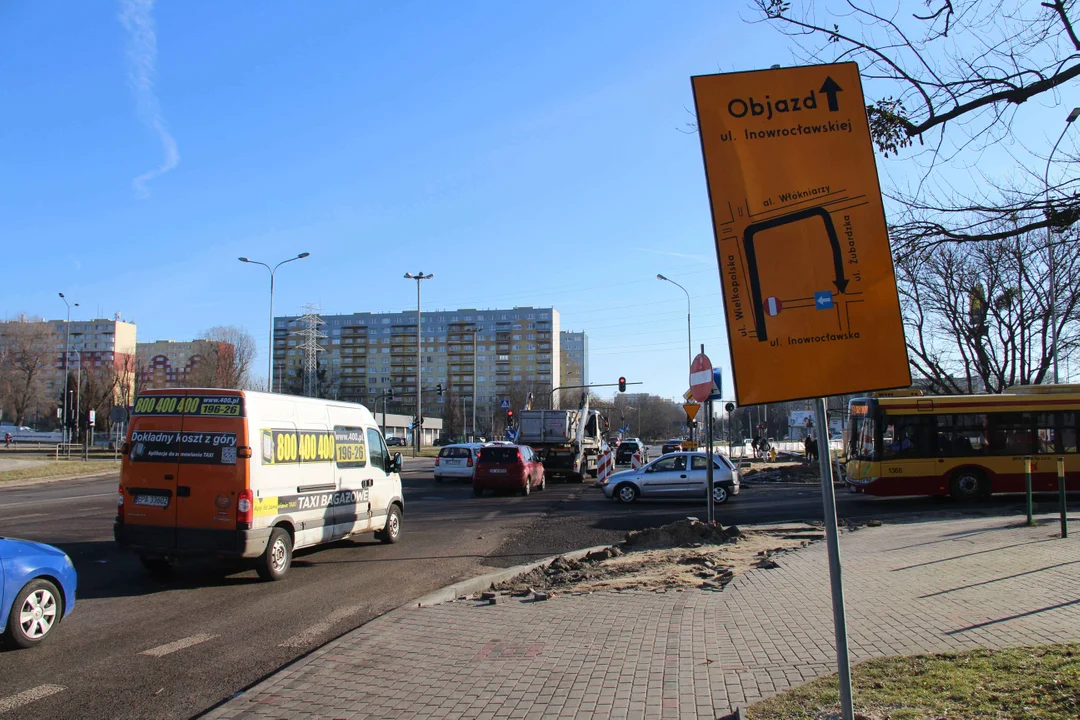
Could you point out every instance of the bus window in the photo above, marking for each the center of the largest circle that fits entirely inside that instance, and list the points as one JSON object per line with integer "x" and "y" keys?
{"x": 862, "y": 437}
{"x": 1012, "y": 433}
{"x": 906, "y": 436}
{"x": 962, "y": 435}
{"x": 1068, "y": 432}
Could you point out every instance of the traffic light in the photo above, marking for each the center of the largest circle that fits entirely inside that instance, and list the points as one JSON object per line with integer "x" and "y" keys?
{"x": 438, "y": 389}
{"x": 622, "y": 384}
{"x": 509, "y": 418}
{"x": 390, "y": 394}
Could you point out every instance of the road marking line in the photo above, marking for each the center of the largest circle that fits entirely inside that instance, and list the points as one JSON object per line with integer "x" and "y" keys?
{"x": 63, "y": 499}
{"x": 490, "y": 516}
{"x": 162, "y": 650}
{"x": 306, "y": 637}
{"x": 28, "y": 696}
{"x": 23, "y": 517}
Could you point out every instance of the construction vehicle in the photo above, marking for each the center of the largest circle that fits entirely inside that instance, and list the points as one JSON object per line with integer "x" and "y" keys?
{"x": 568, "y": 441}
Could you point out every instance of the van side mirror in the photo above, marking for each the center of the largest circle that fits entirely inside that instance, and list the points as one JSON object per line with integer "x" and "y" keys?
{"x": 393, "y": 463}
{"x": 125, "y": 449}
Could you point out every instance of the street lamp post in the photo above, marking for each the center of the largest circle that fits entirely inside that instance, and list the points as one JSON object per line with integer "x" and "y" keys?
{"x": 419, "y": 277}
{"x": 689, "y": 345}
{"x": 270, "y": 348}
{"x": 67, "y": 348}
{"x": 1075, "y": 113}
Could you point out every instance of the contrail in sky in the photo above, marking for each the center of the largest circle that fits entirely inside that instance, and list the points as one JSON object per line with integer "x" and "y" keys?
{"x": 142, "y": 58}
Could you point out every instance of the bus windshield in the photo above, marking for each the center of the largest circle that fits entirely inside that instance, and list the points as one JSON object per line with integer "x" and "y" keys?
{"x": 861, "y": 433}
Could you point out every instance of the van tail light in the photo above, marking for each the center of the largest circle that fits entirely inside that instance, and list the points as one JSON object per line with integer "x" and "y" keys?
{"x": 244, "y": 451}
{"x": 245, "y": 510}
{"x": 436, "y": 462}
{"x": 120, "y": 504}
{"x": 468, "y": 462}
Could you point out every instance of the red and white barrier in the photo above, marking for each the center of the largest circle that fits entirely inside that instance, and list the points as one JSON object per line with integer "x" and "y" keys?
{"x": 636, "y": 461}
{"x": 605, "y": 464}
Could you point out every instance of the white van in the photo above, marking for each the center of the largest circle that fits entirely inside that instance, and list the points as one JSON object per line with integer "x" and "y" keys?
{"x": 232, "y": 473}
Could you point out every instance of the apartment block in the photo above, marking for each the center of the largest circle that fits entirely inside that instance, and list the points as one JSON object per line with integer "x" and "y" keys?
{"x": 574, "y": 358}
{"x": 171, "y": 364}
{"x": 503, "y": 354}
{"x": 101, "y": 351}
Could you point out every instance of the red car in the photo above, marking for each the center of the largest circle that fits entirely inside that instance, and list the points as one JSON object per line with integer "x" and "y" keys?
{"x": 508, "y": 467}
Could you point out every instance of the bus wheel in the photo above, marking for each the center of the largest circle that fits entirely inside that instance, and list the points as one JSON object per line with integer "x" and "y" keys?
{"x": 968, "y": 485}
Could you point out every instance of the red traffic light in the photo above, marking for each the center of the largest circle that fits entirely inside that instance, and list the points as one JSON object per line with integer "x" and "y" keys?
{"x": 509, "y": 413}
{"x": 622, "y": 384}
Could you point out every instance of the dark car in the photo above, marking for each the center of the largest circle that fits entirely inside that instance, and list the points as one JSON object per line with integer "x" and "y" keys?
{"x": 625, "y": 452}
{"x": 395, "y": 441}
{"x": 673, "y": 445}
{"x": 508, "y": 467}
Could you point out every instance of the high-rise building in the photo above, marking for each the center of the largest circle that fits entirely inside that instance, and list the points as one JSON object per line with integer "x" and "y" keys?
{"x": 101, "y": 354}
{"x": 574, "y": 358}
{"x": 170, "y": 364}
{"x": 504, "y": 354}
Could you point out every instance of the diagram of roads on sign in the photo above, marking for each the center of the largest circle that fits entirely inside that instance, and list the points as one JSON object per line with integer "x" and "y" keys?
{"x": 797, "y": 268}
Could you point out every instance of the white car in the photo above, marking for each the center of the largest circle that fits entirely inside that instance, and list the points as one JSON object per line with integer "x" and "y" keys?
{"x": 457, "y": 462}
{"x": 675, "y": 475}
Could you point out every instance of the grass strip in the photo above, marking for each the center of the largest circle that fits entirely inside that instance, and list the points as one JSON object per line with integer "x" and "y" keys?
{"x": 1034, "y": 683}
{"x": 58, "y": 469}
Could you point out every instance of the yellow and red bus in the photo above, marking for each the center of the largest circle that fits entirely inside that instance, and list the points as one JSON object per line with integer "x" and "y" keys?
{"x": 966, "y": 446}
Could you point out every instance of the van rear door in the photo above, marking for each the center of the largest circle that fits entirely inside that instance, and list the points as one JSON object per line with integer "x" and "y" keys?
{"x": 149, "y": 471}
{"x": 209, "y": 478}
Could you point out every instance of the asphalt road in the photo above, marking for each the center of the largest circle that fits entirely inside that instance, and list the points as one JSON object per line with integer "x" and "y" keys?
{"x": 136, "y": 647}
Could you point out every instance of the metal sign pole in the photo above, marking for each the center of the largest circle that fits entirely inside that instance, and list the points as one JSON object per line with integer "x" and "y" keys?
{"x": 709, "y": 461}
{"x": 832, "y": 537}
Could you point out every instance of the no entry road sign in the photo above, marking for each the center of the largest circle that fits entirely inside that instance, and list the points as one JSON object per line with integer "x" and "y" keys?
{"x": 701, "y": 378}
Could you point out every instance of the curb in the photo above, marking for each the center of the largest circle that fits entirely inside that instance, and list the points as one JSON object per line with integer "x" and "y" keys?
{"x": 483, "y": 582}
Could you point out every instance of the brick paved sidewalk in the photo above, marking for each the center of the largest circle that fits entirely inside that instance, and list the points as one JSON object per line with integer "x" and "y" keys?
{"x": 932, "y": 586}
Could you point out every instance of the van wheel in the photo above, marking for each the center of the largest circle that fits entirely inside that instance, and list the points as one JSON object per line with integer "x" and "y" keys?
{"x": 156, "y": 566}
{"x": 276, "y": 559}
{"x": 392, "y": 531}
{"x": 968, "y": 485}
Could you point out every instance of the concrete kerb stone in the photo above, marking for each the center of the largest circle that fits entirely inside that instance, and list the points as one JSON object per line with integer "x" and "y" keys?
{"x": 483, "y": 582}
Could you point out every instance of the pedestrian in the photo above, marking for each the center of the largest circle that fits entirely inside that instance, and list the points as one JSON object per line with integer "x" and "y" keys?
{"x": 812, "y": 453}
{"x": 7, "y": 440}
{"x": 806, "y": 445}
{"x": 756, "y": 444}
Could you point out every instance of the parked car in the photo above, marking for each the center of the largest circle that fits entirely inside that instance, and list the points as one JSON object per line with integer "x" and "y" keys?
{"x": 396, "y": 442}
{"x": 37, "y": 590}
{"x": 508, "y": 467}
{"x": 672, "y": 445}
{"x": 676, "y": 475}
{"x": 457, "y": 461}
{"x": 626, "y": 451}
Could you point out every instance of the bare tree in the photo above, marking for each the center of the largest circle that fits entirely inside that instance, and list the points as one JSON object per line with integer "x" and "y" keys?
{"x": 953, "y": 75}
{"x": 978, "y": 317}
{"x": 27, "y": 353}
{"x": 226, "y": 361}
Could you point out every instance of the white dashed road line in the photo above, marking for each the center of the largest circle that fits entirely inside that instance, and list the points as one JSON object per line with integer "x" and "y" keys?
{"x": 61, "y": 499}
{"x": 313, "y": 633}
{"x": 24, "y": 517}
{"x": 28, "y": 696}
{"x": 163, "y": 650}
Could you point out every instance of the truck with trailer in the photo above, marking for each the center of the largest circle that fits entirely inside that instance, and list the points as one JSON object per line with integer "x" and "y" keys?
{"x": 568, "y": 442}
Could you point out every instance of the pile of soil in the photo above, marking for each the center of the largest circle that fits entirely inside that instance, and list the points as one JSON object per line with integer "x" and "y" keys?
{"x": 684, "y": 554}
{"x": 788, "y": 472}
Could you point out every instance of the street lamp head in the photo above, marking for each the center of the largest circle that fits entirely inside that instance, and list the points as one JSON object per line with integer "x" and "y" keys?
{"x": 61, "y": 294}
{"x": 409, "y": 276}
{"x": 1073, "y": 115}
{"x": 660, "y": 277}
{"x": 429, "y": 276}
{"x": 302, "y": 255}
{"x": 243, "y": 259}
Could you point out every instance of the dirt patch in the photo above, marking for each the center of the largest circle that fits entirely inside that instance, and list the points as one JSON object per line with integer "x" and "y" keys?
{"x": 791, "y": 472}
{"x": 684, "y": 554}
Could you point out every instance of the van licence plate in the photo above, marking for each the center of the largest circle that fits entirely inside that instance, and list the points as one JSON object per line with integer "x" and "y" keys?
{"x": 152, "y": 500}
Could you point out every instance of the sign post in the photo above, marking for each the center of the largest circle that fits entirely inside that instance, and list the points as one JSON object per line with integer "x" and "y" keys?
{"x": 805, "y": 265}
{"x": 701, "y": 389}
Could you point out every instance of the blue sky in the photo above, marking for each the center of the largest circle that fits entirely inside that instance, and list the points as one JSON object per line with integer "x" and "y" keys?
{"x": 526, "y": 153}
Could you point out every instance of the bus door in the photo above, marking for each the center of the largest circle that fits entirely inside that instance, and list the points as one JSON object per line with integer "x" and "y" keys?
{"x": 910, "y": 462}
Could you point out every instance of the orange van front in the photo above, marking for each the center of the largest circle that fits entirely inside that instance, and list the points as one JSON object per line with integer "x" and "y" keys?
{"x": 184, "y": 479}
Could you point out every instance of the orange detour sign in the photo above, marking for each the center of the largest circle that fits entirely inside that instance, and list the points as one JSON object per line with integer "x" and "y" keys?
{"x": 809, "y": 288}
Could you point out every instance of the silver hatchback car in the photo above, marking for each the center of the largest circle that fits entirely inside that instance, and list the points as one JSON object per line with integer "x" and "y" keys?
{"x": 675, "y": 475}
{"x": 457, "y": 462}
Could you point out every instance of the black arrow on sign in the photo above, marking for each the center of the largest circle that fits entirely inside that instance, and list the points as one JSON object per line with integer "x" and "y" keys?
{"x": 830, "y": 88}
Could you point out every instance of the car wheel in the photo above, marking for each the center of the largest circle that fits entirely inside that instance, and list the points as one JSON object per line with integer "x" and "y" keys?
{"x": 277, "y": 557}
{"x": 528, "y": 486}
{"x": 156, "y": 566}
{"x": 968, "y": 485}
{"x": 34, "y": 614}
{"x": 719, "y": 494}
{"x": 390, "y": 534}
{"x": 626, "y": 493}
{"x": 543, "y": 481}
{"x": 477, "y": 491}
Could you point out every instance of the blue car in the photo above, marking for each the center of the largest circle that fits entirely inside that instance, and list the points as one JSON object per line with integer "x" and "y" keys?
{"x": 37, "y": 590}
